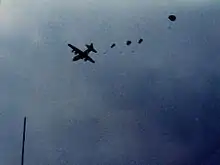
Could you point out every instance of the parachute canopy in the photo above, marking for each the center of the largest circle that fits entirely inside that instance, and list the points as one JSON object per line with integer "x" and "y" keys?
{"x": 140, "y": 41}
{"x": 113, "y": 45}
{"x": 128, "y": 42}
{"x": 172, "y": 17}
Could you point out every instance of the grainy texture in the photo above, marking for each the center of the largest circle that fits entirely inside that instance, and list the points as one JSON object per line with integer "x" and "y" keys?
{"x": 157, "y": 105}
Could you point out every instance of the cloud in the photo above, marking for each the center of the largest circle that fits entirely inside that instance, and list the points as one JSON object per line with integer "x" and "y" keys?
{"x": 127, "y": 107}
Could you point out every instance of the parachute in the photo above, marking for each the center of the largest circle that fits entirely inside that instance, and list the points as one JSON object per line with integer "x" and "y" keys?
{"x": 128, "y": 42}
{"x": 140, "y": 41}
{"x": 172, "y": 17}
{"x": 113, "y": 45}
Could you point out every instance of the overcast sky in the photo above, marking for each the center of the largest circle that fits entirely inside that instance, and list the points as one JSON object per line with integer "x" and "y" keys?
{"x": 157, "y": 105}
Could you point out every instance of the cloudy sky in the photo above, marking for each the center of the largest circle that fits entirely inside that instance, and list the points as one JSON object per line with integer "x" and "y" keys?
{"x": 157, "y": 105}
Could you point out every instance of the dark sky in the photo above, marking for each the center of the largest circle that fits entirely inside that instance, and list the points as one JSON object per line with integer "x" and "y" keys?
{"x": 158, "y": 105}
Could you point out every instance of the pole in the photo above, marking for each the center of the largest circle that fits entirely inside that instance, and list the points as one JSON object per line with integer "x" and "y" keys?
{"x": 24, "y": 130}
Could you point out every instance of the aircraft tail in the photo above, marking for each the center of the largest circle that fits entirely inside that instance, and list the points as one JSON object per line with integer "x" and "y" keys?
{"x": 91, "y": 48}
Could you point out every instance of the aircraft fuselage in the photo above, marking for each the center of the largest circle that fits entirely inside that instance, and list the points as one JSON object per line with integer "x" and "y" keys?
{"x": 85, "y": 54}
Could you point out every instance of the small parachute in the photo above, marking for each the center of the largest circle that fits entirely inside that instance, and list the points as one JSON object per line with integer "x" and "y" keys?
{"x": 140, "y": 41}
{"x": 128, "y": 43}
{"x": 172, "y": 17}
{"x": 113, "y": 45}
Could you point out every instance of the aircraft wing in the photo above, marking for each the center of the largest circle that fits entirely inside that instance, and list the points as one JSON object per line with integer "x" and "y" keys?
{"x": 75, "y": 50}
{"x": 90, "y": 59}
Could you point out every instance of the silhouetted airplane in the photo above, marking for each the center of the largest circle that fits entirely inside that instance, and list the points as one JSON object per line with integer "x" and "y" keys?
{"x": 83, "y": 54}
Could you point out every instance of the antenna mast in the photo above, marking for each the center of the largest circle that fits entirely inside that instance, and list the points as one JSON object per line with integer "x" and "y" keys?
{"x": 24, "y": 130}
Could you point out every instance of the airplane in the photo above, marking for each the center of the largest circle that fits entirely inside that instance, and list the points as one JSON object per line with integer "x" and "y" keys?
{"x": 83, "y": 54}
